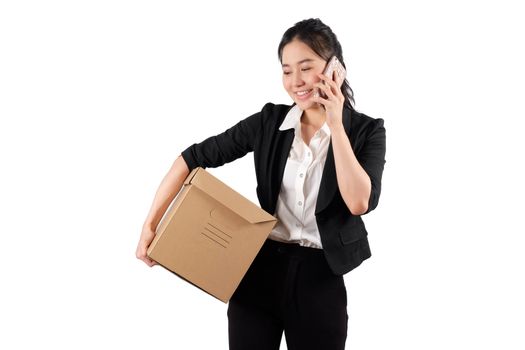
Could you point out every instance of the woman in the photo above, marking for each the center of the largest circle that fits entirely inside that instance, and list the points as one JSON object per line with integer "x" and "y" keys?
{"x": 318, "y": 165}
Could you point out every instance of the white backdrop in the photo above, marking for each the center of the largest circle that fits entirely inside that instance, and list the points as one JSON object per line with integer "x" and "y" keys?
{"x": 97, "y": 99}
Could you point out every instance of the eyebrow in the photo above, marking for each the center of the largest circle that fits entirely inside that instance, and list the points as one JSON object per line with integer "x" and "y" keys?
{"x": 301, "y": 61}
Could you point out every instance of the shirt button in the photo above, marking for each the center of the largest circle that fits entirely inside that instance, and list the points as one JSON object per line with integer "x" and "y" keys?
{"x": 301, "y": 175}
{"x": 308, "y": 154}
{"x": 297, "y": 225}
{"x": 300, "y": 203}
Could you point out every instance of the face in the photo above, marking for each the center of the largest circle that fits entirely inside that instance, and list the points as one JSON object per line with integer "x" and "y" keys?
{"x": 301, "y": 66}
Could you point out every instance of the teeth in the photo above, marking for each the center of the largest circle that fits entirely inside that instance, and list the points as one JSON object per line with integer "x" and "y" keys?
{"x": 301, "y": 93}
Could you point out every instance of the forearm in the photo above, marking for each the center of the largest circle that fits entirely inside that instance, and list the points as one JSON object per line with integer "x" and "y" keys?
{"x": 168, "y": 189}
{"x": 352, "y": 180}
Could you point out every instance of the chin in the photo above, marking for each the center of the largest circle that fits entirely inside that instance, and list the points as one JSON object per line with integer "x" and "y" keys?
{"x": 305, "y": 104}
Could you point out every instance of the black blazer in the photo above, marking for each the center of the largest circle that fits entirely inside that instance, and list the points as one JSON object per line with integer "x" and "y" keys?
{"x": 343, "y": 235}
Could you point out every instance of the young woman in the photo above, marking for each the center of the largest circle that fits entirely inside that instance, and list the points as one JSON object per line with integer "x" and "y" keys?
{"x": 318, "y": 165}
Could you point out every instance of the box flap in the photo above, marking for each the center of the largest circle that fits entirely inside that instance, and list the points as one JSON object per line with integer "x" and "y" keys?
{"x": 228, "y": 196}
{"x": 191, "y": 175}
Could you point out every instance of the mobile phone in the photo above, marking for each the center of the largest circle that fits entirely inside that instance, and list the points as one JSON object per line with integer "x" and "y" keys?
{"x": 333, "y": 65}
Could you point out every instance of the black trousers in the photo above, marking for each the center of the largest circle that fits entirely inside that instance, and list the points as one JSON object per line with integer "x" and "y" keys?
{"x": 292, "y": 289}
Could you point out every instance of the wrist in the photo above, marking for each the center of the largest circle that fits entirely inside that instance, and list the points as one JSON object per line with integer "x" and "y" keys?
{"x": 148, "y": 227}
{"x": 337, "y": 129}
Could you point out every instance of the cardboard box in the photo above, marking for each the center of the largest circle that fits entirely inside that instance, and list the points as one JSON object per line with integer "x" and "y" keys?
{"x": 210, "y": 235}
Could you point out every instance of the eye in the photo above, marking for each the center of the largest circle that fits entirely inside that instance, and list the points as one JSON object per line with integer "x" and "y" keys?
{"x": 305, "y": 69}
{"x": 286, "y": 73}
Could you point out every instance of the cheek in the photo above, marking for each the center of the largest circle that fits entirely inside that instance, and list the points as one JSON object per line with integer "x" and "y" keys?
{"x": 286, "y": 84}
{"x": 314, "y": 78}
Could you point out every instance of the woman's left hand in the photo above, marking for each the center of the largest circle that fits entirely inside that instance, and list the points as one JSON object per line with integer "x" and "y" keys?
{"x": 334, "y": 101}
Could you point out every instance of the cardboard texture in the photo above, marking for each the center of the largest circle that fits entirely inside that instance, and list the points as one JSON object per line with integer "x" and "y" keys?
{"x": 210, "y": 235}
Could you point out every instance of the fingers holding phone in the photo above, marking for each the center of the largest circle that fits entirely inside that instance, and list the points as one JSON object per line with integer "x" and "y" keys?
{"x": 332, "y": 103}
{"x": 334, "y": 65}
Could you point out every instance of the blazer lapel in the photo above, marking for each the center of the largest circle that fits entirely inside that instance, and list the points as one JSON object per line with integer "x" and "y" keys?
{"x": 328, "y": 186}
{"x": 281, "y": 152}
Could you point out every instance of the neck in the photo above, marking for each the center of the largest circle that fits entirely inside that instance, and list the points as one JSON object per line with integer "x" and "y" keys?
{"x": 314, "y": 116}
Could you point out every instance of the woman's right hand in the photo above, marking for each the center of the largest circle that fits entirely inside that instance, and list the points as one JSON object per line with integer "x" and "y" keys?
{"x": 146, "y": 237}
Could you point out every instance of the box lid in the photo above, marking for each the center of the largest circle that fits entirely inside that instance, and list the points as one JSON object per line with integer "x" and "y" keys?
{"x": 227, "y": 196}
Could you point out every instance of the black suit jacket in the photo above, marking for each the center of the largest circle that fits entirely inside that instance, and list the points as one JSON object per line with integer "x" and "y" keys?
{"x": 343, "y": 235}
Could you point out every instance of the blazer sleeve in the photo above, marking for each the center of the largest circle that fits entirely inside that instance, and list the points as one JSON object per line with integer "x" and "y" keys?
{"x": 225, "y": 147}
{"x": 372, "y": 159}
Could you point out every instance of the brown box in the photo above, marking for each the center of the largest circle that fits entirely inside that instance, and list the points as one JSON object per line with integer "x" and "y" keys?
{"x": 210, "y": 235}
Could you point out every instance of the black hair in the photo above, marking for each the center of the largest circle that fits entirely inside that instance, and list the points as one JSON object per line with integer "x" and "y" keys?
{"x": 323, "y": 41}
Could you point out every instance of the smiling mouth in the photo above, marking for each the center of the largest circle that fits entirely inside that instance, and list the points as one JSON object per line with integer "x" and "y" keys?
{"x": 302, "y": 93}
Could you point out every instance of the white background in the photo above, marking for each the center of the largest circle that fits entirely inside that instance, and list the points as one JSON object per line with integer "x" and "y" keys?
{"x": 97, "y": 99}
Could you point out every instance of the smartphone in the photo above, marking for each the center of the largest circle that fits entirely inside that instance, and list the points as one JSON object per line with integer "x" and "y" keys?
{"x": 331, "y": 66}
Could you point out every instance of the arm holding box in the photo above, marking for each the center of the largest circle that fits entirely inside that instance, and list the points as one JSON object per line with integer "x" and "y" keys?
{"x": 214, "y": 151}
{"x": 168, "y": 189}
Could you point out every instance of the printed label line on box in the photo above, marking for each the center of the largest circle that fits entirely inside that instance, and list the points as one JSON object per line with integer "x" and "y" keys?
{"x": 218, "y": 229}
{"x": 219, "y": 243}
{"x": 216, "y": 235}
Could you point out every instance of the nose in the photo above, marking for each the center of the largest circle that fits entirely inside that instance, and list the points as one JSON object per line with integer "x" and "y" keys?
{"x": 297, "y": 79}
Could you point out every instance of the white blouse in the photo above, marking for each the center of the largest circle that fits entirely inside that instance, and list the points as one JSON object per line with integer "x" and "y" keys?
{"x": 295, "y": 208}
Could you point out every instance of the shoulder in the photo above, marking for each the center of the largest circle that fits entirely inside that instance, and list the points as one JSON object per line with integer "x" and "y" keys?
{"x": 272, "y": 109}
{"x": 273, "y": 114}
{"x": 363, "y": 124}
{"x": 362, "y": 121}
